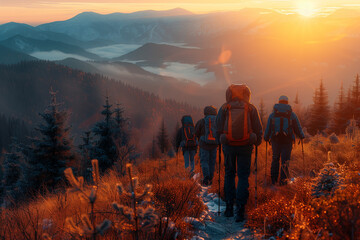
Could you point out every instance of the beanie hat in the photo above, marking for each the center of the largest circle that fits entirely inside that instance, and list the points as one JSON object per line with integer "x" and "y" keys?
{"x": 283, "y": 99}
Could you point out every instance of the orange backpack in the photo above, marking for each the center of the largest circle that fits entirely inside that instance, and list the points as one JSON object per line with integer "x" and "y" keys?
{"x": 237, "y": 121}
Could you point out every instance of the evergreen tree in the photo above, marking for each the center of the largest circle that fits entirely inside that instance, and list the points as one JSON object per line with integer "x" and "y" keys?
{"x": 104, "y": 147}
{"x": 355, "y": 98}
{"x": 340, "y": 119}
{"x": 85, "y": 150}
{"x": 154, "y": 150}
{"x": 319, "y": 110}
{"x": 163, "y": 138}
{"x": 262, "y": 113}
{"x": 296, "y": 101}
{"x": 51, "y": 152}
{"x": 120, "y": 121}
{"x": 11, "y": 172}
{"x": 173, "y": 140}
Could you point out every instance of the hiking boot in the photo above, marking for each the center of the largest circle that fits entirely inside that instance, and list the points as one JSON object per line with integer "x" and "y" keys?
{"x": 205, "y": 182}
{"x": 240, "y": 213}
{"x": 229, "y": 211}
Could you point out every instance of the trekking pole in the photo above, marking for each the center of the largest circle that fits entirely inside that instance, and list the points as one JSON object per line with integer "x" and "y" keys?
{"x": 303, "y": 155}
{"x": 256, "y": 155}
{"x": 177, "y": 157}
{"x": 266, "y": 152}
{"x": 219, "y": 178}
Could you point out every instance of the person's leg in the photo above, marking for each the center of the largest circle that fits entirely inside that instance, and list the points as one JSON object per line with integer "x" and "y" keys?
{"x": 204, "y": 161}
{"x": 229, "y": 183}
{"x": 212, "y": 163}
{"x": 243, "y": 173}
{"x": 186, "y": 158}
{"x": 192, "y": 160}
{"x": 275, "y": 162}
{"x": 285, "y": 158}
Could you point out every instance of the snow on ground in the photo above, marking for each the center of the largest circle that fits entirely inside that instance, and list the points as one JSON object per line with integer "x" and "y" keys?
{"x": 212, "y": 226}
{"x": 113, "y": 51}
{"x": 183, "y": 71}
{"x": 56, "y": 55}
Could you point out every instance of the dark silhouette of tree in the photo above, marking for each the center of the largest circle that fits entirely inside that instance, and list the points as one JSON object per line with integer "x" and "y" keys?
{"x": 297, "y": 101}
{"x": 340, "y": 117}
{"x": 355, "y": 98}
{"x": 163, "y": 138}
{"x": 12, "y": 172}
{"x": 262, "y": 113}
{"x": 104, "y": 146}
{"x": 85, "y": 150}
{"x": 154, "y": 149}
{"x": 51, "y": 152}
{"x": 320, "y": 111}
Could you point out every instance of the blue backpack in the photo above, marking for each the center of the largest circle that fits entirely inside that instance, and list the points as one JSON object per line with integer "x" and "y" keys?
{"x": 210, "y": 129}
{"x": 188, "y": 132}
{"x": 281, "y": 122}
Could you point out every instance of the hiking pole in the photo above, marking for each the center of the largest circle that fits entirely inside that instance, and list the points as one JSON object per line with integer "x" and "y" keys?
{"x": 303, "y": 155}
{"x": 266, "y": 152}
{"x": 256, "y": 155}
{"x": 219, "y": 178}
{"x": 177, "y": 156}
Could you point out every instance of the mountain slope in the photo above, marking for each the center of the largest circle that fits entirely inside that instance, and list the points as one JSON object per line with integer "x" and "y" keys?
{"x": 9, "y": 56}
{"x": 28, "y": 45}
{"x": 24, "y": 92}
{"x": 154, "y": 53}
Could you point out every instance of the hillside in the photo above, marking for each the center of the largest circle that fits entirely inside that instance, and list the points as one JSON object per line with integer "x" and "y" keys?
{"x": 24, "y": 93}
{"x": 9, "y": 56}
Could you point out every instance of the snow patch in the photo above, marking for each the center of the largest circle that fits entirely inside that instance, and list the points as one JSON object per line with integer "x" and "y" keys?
{"x": 56, "y": 55}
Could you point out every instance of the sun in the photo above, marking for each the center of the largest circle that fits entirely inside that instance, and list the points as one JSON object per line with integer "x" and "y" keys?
{"x": 306, "y": 8}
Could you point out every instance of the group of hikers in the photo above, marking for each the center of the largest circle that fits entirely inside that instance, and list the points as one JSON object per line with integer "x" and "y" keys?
{"x": 236, "y": 128}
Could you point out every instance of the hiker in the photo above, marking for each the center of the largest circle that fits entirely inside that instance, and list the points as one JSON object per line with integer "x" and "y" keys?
{"x": 280, "y": 129}
{"x": 238, "y": 128}
{"x": 186, "y": 139}
{"x": 205, "y": 131}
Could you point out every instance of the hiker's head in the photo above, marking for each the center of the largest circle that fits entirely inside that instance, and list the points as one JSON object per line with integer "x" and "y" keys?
{"x": 238, "y": 92}
{"x": 284, "y": 99}
{"x": 187, "y": 120}
{"x": 210, "y": 110}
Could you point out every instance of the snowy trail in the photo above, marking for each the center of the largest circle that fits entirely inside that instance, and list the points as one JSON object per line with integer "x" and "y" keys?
{"x": 218, "y": 227}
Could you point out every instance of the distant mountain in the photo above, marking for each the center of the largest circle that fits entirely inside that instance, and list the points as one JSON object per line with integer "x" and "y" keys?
{"x": 155, "y": 54}
{"x": 78, "y": 65}
{"x": 24, "y": 92}
{"x": 9, "y": 56}
{"x": 10, "y": 30}
{"x": 29, "y": 45}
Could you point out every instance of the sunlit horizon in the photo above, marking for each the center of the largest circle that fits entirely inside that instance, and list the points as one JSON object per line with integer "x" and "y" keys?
{"x": 36, "y": 12}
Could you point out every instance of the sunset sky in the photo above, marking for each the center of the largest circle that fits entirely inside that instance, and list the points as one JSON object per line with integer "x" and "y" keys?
{"x": 40, "y": 11}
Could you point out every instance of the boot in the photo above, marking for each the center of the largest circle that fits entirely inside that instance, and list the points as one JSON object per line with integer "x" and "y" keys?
{"x": 229, "y": 211}
{"x": 240, "y": 213}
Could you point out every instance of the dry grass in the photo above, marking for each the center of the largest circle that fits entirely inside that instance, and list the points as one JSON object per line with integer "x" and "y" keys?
{"x": 174, "y": 197}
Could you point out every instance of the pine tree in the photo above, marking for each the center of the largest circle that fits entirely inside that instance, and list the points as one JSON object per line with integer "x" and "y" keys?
{"x": 11, "y": 172}
{"x": 262, "y": 113}
{"x": 296, "y": 101}
{"x": 104, "y": 147}
{"x": 319, "y": 110}
{"x": 355, "y": 98}
{"x": 119, "y": 131}
{"x": 173, "y": 141}
{"x": 51, "y": 152}
{"x": 340, "y": 118}
{"x": 85, "y": 151}
{"x": 163, "y": 138}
